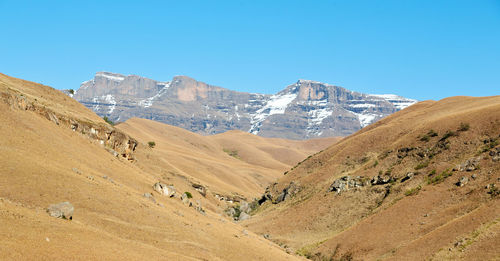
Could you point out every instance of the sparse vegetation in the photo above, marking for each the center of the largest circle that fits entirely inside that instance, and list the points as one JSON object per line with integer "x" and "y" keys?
{"x": 439, "y": 178}
{"x": 493, "y": 191}
{"x": 413, "y": 191}
{"x": 489, "y": 144}
{"x": 106, "y": 119}
{"x": 151, "y": 144}
{"x": 384, "y": 154}
{"x": 425, "y": 138}
{"x": 464, "y": 127}
{"x": 375, "y": 163}
{"x": 188, "y": 194}
{"x": 448, "y": 134}
{"x": 432, "y": 133}
{"x": 71, "y": 91}
{"x": 422, "y": 165}
{"x": 232, "y": 153}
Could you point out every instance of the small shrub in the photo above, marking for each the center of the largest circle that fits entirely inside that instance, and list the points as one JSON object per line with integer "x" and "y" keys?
{"x": 413, "y": 191}
{"x": 422, "y": 165}
{"x": 188, "y": 194}
{"x": 71, "y": 91}
{"x": 106, "y": 119}
{"x": 464, "y": 127}
{"x": 490, "y": 145}
{"x": 425, "y": 138}
{"x": 439, "y": 178}
{"x": 151, "y": 144}
{"x": 234, "y": 153}
{"x": 375, "y": 163}
{"x": 494, "y": 191}
{"x": 447, "y": 135}
{"x": 432, "y": 133}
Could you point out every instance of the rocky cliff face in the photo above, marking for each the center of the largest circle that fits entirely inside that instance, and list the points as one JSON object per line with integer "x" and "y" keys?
{"x": 305, "y": 109}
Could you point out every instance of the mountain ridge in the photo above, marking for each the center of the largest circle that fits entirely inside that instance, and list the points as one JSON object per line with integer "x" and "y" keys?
{"x": 302, "y": 110}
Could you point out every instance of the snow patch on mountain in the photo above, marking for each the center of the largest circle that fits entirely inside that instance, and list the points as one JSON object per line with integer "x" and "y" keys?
{"x": 316, "y": 116}
{"x": 398, "y": 101}
{"x": 277, "y": 104}
{"x": 148, "y": 102}
{"x": 365, "y": 119}
{"x": 110, "y": 76}
{"x": 111, "y": 100}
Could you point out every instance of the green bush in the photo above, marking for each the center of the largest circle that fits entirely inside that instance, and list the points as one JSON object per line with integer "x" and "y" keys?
{"x": 413, "y": 191}
{"x": 425, "y": 138}
{"x": 439, "y": 178}
{"x": 71, "y": 91}
{"x": 188, "y": 194}
{"x": 432, "y": 133}
{"x": 494, "y": 191}
{"x": 106, "y": 119}
{"x": 422, "y": 165}
{"x": 447, "y": 135}
{"x": 464, "y": 127}
{"x": 151, "y": 144}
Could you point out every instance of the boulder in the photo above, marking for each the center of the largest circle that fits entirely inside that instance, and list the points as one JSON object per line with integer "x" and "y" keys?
{"x": 381, "y": 179}
{"x": 243, "y": 216}
{"x": 408, "y": 176}
{"x": 61, "y": 210}
{"x": 184, "y": 198}
{"x": 149, "y": 196}
{"x": 287, "y": 192}
{"x": 199, "y": 208}
{"x": 201, "y": 189}
{"x": 340, "y": 184}
{"x": 164, "y": 189}
{"x": 245, "y": 207}
{"x": 462, "y": 181}
{"x": 469, "y": 165}
{"x": 347, "y": 182}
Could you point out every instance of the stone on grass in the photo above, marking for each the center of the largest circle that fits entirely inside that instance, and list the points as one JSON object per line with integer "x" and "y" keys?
{"x": 61, "y": 210}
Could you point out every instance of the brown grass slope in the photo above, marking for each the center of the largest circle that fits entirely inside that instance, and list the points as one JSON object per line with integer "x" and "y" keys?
{"x": 44, "y": 135}
{"x": 424, "y": 217}
{"x": 234, "y": 162}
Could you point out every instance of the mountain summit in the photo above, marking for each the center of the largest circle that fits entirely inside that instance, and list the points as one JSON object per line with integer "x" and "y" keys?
{"x": 305, "y": 109}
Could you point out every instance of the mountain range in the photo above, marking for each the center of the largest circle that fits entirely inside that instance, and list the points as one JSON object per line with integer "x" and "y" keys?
{"x": 420, "y": 184}
{"x": 305, "y": 109}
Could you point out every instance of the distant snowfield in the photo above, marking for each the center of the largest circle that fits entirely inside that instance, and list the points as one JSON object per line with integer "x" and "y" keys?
{"x": 276, "y": 105}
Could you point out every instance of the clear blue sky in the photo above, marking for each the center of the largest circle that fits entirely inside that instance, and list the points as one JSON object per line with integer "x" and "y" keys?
{"x": 419, "y": 49}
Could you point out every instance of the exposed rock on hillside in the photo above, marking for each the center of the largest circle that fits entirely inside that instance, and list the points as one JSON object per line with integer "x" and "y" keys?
{"x": 118, "y": 143}
{"x": 396, "y": 174}
{"x": 61, "y": 210}
{"x": 305, "y": 109}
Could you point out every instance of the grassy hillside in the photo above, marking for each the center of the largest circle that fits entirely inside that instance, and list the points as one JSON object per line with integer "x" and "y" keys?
{"x": 422, "y": 183}
{"x": 53, "y": 150}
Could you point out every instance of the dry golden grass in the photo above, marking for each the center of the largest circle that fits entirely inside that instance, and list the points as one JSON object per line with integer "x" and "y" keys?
{"x": 112, "y": 219}
{"x": 381, "y": 222}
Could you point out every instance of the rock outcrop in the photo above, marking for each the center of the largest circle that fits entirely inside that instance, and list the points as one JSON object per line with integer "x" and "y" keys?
{"x": 113, "y": 140}
{"x": 469, "y": 165}
{"x": 347, "y": 183}
{"x": 61, "y": 210}
{"x": 167, "y": 190}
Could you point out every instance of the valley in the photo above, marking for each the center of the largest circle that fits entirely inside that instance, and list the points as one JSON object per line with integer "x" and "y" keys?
{"x": 421, "y": 183}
